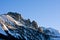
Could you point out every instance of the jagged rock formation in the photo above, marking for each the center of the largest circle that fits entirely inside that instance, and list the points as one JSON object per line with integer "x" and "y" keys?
{"x": 14, "y": 27}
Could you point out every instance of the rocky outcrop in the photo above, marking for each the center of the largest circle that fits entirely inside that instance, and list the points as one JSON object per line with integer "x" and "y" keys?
{"x": 15, "y": 27}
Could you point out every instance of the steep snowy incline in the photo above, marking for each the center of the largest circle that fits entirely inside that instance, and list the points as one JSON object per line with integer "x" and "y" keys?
{"x": 2, "y": 31}
{"x": 11, "y": 19}
{"x": 14, "y": 27}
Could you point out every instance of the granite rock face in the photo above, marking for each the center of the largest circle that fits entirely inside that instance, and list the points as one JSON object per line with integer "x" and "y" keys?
{"x": 14, "y": 27}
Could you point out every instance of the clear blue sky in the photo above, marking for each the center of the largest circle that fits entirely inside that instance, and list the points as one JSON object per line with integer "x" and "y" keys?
{"x": 45, "y": 12}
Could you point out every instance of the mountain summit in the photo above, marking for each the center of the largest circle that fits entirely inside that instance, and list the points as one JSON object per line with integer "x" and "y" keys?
{"x": 14, "y": 27}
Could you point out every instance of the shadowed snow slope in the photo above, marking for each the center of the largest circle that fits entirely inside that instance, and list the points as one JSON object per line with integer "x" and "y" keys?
{"x": 14, "y": 27}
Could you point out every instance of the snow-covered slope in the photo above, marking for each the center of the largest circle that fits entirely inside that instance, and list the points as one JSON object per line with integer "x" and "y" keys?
{"x": 14, "y": 27}
{"x": 2, "y": 31}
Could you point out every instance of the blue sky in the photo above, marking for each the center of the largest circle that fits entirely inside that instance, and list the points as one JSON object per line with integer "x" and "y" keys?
{"x": 45, "y": 12}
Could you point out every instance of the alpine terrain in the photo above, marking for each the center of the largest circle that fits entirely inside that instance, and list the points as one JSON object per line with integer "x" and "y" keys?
{"x": 14, "y": 27}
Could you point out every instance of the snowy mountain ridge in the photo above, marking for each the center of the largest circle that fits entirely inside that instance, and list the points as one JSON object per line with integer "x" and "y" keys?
{"x": 14, "y": 27}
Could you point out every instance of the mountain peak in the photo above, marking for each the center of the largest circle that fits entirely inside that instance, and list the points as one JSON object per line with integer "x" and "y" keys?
{"x": 14, "y": 27}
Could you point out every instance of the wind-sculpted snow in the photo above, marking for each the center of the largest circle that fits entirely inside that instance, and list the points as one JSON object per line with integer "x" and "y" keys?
{"x": 14, "y": 27}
